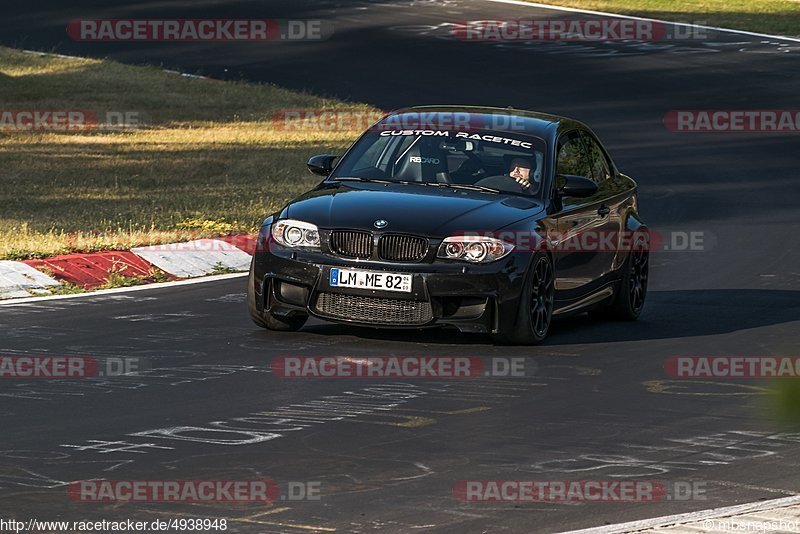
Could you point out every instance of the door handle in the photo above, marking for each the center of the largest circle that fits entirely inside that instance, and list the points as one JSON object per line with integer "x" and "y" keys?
{"x": 603, "y": 211}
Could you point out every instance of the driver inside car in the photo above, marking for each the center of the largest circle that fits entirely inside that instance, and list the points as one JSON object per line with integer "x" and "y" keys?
{"x": 520, "y": 176}
{"x": 520, "y": 170}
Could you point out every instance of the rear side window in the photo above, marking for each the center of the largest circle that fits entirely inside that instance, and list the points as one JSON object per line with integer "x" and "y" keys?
{"x": 601, "y": 170}
{"x": 573, "y": 157}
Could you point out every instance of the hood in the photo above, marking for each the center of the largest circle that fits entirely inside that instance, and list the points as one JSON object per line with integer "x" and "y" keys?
{"x": 409, "y": 208}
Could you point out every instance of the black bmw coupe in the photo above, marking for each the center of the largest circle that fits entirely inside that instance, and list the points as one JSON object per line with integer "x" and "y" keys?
{"x": 486, "y": 219}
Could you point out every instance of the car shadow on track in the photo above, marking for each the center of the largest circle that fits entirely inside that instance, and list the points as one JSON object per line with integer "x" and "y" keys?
{"x": 667, "y": 314}
{"x": 687, "y": 313}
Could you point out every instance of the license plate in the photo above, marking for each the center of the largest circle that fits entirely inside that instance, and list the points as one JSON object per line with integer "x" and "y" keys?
{"x": 370, "y": 280}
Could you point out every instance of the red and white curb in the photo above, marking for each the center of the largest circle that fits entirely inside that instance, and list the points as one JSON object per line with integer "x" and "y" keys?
{"x": 195, "y": 258}
{"x": 174, "y": 261}
{"x": 18, "y": 279}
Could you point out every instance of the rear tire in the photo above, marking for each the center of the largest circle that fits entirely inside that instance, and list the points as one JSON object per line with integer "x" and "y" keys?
{"x": 535, "y": 312}
{"x": 628, "y": 300}
{"x": 633, "y": 288}
{"x": 267, "y": 319}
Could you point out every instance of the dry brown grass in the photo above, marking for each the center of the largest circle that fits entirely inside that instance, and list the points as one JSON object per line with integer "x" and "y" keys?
{"x": 209, "y": 151}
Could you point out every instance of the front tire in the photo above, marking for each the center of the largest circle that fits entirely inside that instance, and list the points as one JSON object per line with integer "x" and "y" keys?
{"x": 535, "y": 311}
{"x": 256, "y": 316}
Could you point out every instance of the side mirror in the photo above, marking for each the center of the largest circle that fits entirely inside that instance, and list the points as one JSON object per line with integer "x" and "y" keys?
{"x": 576, "y": 186}
{"x": 322, "y": 164}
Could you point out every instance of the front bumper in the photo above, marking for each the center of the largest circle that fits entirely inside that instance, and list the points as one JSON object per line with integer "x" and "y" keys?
{"x": 470, "y": 297}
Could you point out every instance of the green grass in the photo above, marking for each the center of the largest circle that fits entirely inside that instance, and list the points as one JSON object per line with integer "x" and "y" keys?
{"x": 783, "y": 403}
{"x": 64, "y": 289}
{"x": 219, "y": 268}
{"x": 779, "y": 17}
{"x": 209, "y": 160}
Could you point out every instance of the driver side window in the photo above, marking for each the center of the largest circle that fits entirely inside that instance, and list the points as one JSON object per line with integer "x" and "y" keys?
{"x": 572, "y": 156}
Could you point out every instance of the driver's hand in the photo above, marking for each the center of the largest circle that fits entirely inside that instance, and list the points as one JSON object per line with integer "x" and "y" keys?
{"x": 521, "y": 179}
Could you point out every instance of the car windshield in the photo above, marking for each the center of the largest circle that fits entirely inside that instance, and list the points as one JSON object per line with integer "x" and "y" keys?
{"x": 482, "y": 160}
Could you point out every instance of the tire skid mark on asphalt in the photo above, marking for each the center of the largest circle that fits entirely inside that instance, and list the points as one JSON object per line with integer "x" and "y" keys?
{"x": 734, "y": 484}
{"x": 251, "y": 519}
{"x": 161, "y": 353}
{"x": 290, "y": 346}
{"x": 50, "y": 306}
{"x": 465, "y": 411}
{"x": 175, "y": 376}
{"x": 582, "y": 370}
{"x": 508, "y": 388}
{"x": 161, "y": 376}
{"x": 624, "y": 48}
{"x": 38, "y": 333}
{"x": 161, "y": 318}
{"x": 409, "y": 421}
{"x": 485, "y": 397}
{"x": 230, "y": 297}
{"x": 683, "y": 387}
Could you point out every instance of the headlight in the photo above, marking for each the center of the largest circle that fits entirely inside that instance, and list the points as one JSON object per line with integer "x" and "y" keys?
{"x": 474, "y": 249}
{"x": 291, "y": 233}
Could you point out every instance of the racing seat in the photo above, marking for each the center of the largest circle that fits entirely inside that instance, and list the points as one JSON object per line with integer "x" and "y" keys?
{"x": 466, "y": 172}
{"x": 422, "y": 162}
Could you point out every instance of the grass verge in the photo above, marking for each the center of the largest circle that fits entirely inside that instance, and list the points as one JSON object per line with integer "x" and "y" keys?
{"x": 778, "y": 17}
{"x": 209, "y": 158}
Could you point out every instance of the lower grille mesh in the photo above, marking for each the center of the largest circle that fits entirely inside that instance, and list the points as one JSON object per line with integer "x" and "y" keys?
{"x": 373, "y": 309}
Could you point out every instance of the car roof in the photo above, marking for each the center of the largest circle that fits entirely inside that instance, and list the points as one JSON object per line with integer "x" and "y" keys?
{"x": 508, "y": 120}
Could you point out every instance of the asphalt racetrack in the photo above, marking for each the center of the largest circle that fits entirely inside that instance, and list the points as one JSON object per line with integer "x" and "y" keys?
{"x": 595, "y": 401}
